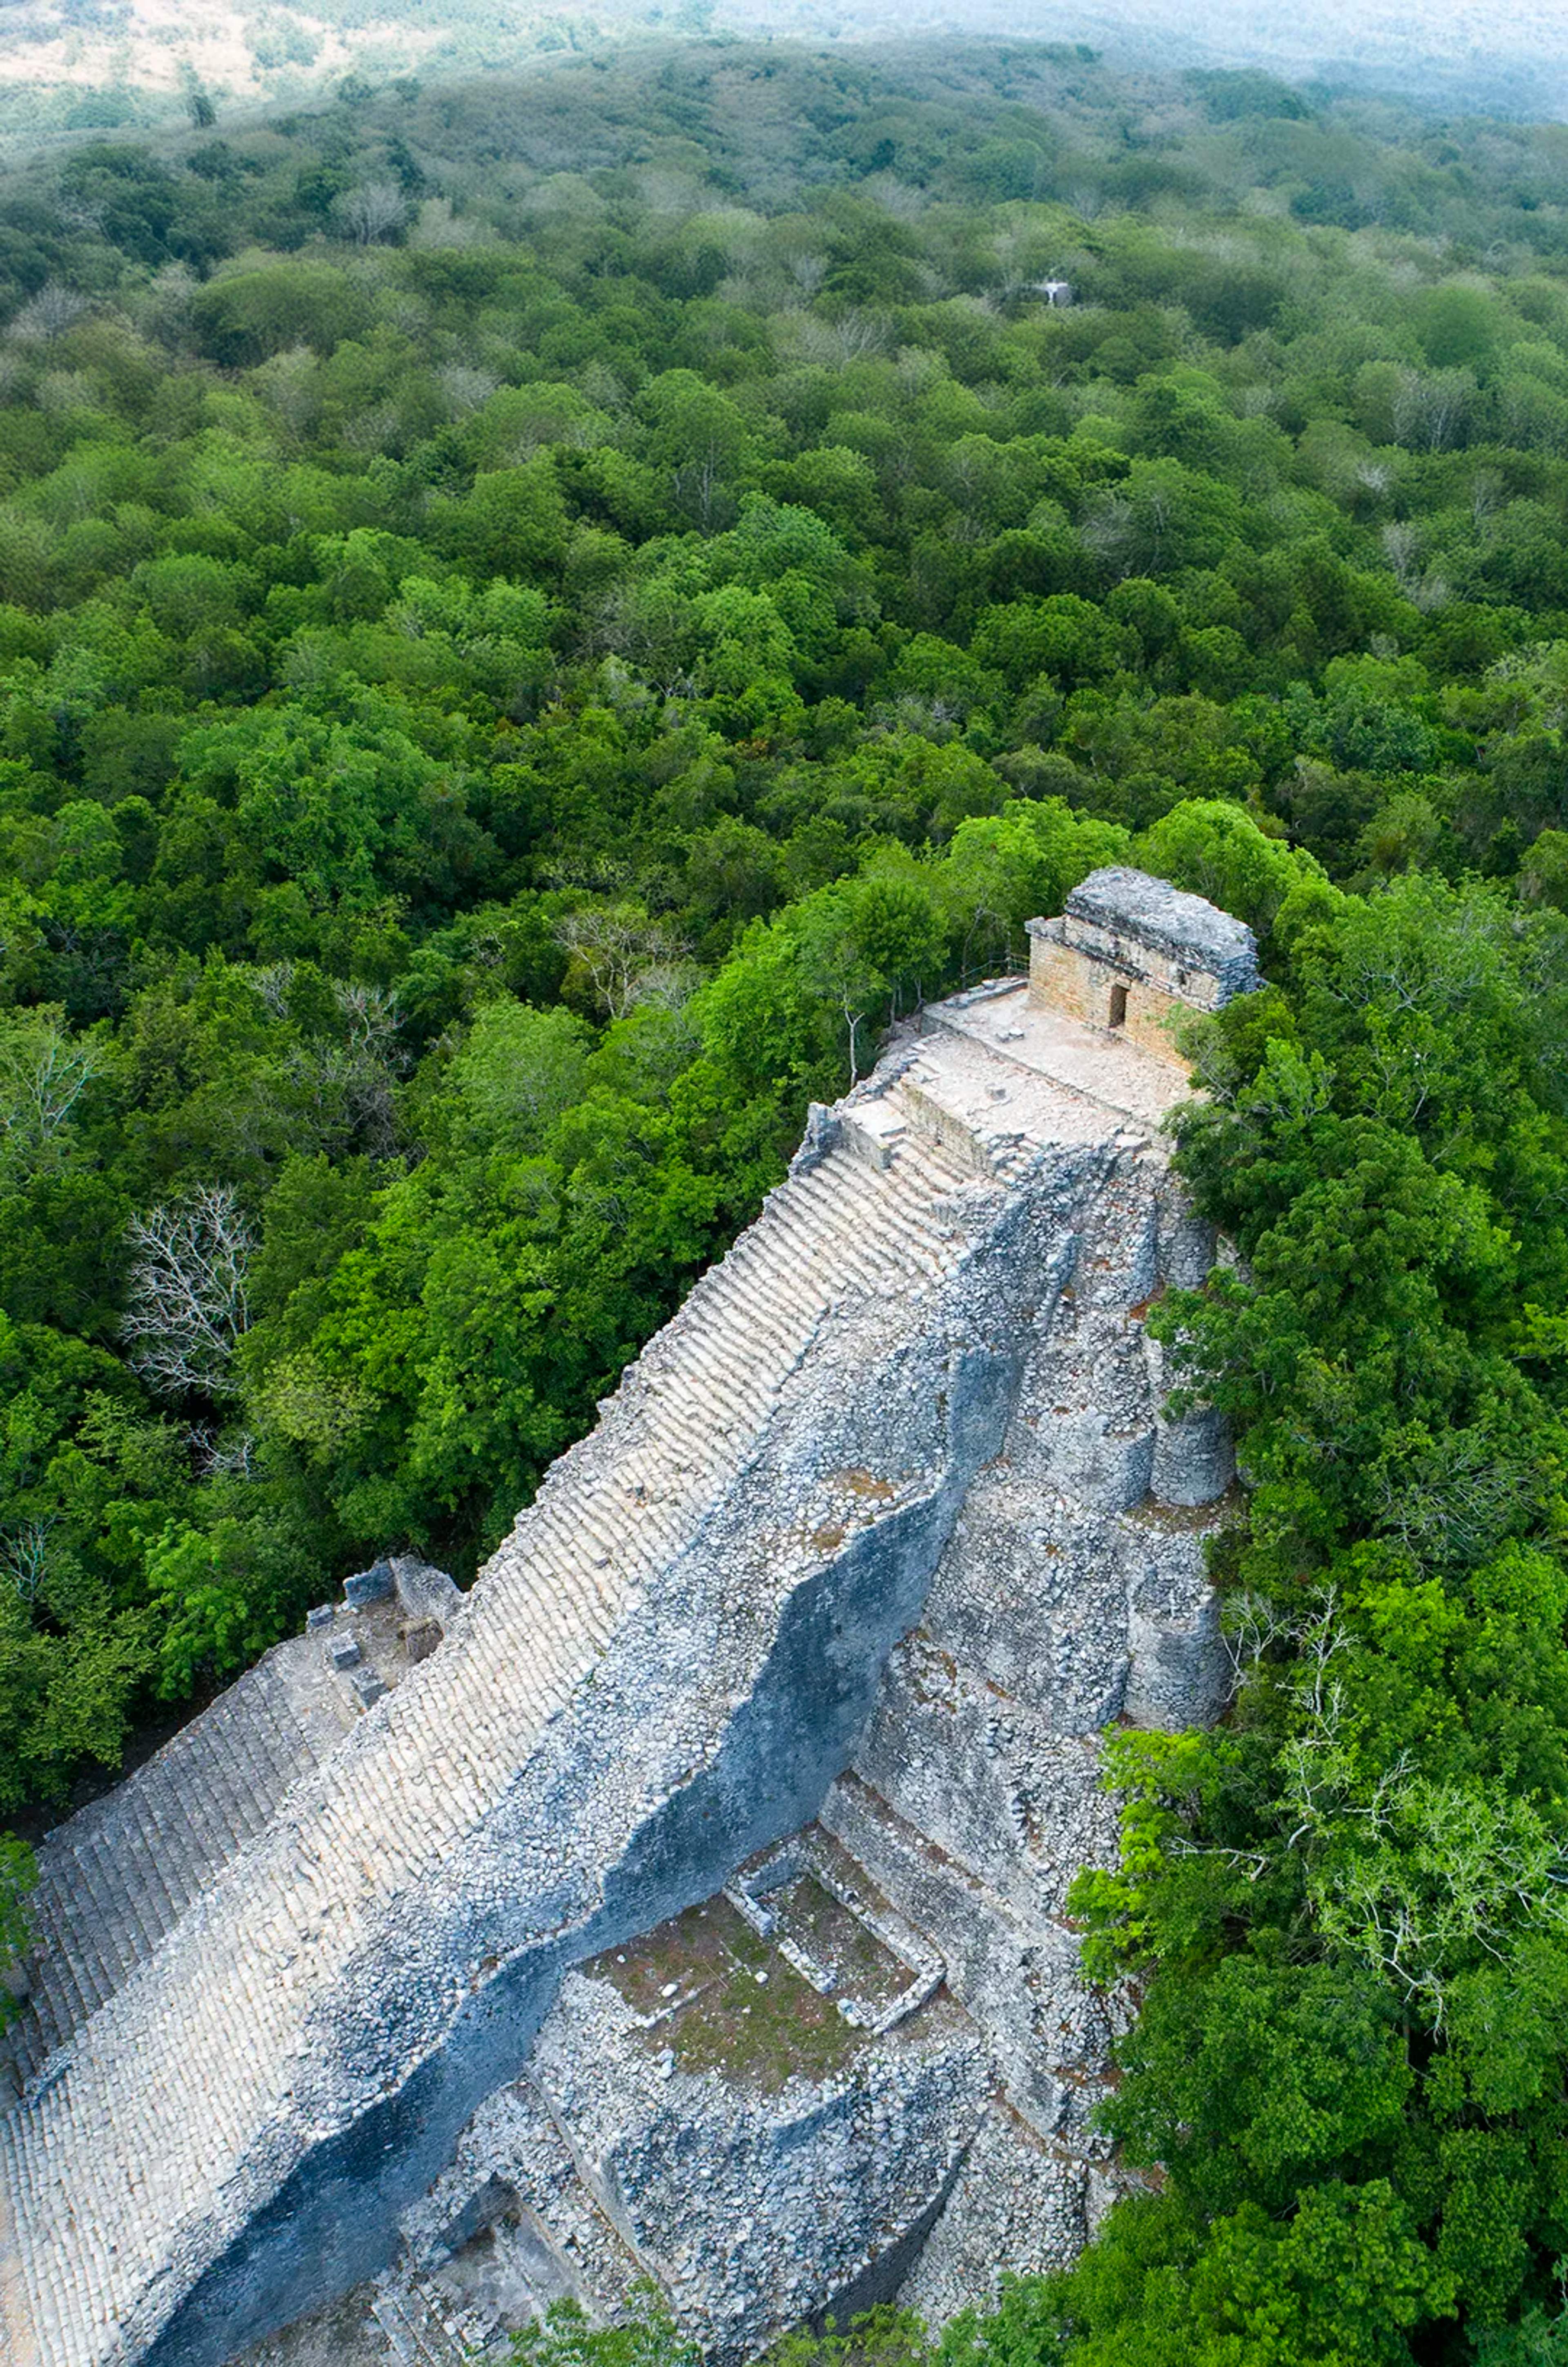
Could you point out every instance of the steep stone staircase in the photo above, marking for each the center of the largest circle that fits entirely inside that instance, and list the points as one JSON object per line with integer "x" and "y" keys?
{"x": 191, "y": 1976}
{"x": 703, "y": 1389}
{"x": 120, "y": 1873}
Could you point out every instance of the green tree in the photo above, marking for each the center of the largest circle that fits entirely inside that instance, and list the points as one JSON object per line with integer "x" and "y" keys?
{"x": 18, "y": 1876}
{"x": 645, "y": 2336}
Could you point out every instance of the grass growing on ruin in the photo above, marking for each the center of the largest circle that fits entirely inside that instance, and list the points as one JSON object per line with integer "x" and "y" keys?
{"x": 865, "y": 1970}
{"x": 738, "y": 2008}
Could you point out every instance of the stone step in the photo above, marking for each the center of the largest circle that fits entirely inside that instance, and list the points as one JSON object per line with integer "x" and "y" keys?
{"x": 115, "y": 1878}
{"x": 417, "y": 2333}
{"x": 721, "y": 1376}
{"x": 553, "y": 2239}
{"x": 159, "y": 1888}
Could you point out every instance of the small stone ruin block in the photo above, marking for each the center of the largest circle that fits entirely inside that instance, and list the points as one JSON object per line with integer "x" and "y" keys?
{"x": 323, "y": 1616}
{"x": 822, "y": 1132}
{"x": 1129, "y": 953}
{"x": 369, "y": 1585}
{"x": 423, "y": 1591}
{"x": 368, "y": 1686}
{"x": 345, "y": 1653}
{"x": 421, "y": 1637}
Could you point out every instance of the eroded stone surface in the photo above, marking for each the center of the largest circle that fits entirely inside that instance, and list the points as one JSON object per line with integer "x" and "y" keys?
{"x": 872, "y": 1541}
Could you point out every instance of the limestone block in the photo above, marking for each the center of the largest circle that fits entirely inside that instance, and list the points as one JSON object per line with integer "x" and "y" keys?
{"x": 754, "y": 2207}
{"x": 369, "y": 1585}
{"x": 1013, "y": 1968}
{"x": 420, "y": 1638}
{"x": 1031, "y": 1598}
{"x": 1086, "y": 1411}
{"x": 821, "y": 1137}
{"x": 514, "y": 2178}
{"x": 1102, "y": 989}
{"x": 872, "y": 1130}
{"x": 1118, "y": 1267}
{"x": 1179, "y": 1672}
{"x": 1089, "y": 1456}
{"x": 424, "y": 1593}
{"x": 1187, "y": 1246}
{"x": 984, "y": 1777}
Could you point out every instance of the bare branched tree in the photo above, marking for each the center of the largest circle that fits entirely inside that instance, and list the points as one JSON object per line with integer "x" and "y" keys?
{"x": 373, "y": 429}
{"x": 1409, "y": 1874}
{"x": 1431, "y": 408}
{"x": 1488, "y": 491}
{"x": 698, "y": 488}
{"x": 629, "y": 958}
{"x": 44, "y": 1072}
{"x": 24, "y": 1556}
{"x": 220, "y": 1454}
{"x": 467, "y": 387}
{"x": 1401, "y": 545}
{"x": 374, "y": 210}
{"x": 850, "y": 338}
{"x": 1441, "y": 972}
{"x": 371, "y": 1013}
{"x": 335, "y": 1085}
{"x": 48, "y": 313}
{"x": 1456, "y": 1504}
{"x": 188, "y": 1306}
{"x": 363, "y": 1071}
{"x": 1108, "y": 530}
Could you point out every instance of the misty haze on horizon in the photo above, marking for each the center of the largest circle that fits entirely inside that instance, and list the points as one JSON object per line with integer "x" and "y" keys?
{"x": 68, "y": 67}
{"x": 1458, "y": 53}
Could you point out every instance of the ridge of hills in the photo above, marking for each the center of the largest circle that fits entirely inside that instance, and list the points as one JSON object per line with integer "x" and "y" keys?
{"x": 74, "y": 66}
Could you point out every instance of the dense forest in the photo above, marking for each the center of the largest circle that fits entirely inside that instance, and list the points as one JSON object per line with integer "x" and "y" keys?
{"x": 537, "y": 619}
